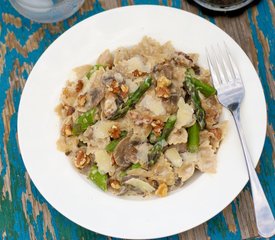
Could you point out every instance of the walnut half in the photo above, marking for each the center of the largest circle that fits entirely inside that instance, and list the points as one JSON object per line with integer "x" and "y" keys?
{"x": 157, "y": 126}
{"x": 81, "y": 159}
{"x": 162, "y": 89}
{"x": 67, "y": 130}
{"x": 115, "y": 132}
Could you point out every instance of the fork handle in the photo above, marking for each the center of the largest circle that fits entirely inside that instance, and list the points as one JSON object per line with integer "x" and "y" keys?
{"x": 264, "y": 218}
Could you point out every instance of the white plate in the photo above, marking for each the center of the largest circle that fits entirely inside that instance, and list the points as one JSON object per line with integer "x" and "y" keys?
{"x": 77, "y": 198}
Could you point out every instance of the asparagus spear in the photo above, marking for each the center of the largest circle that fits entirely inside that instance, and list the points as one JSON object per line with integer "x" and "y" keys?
{"x": 84, "y": 121}
{"x": 192, "y": 91}
{"x": 99, "y": 179}
{"x": 155, "y": 152}
{"x": 112, "y": 145}
{"x": 206, "y": 89}
{"x": 193, "y": 138}
{"x": 133, "y": 99}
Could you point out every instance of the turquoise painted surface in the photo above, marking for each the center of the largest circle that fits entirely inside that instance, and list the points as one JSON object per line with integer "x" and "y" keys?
{"x": 24, "y": 213}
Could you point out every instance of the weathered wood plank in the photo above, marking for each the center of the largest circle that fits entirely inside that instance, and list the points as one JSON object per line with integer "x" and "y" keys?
{"x": 229, "y": 219}
{"x": 246, "y": 216}
{"x": 199, "y": 232}
{"x": 10, "y": 19}
{"x": 261, "y": 23}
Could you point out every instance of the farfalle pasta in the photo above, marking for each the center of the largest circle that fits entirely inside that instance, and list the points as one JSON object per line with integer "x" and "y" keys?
{"x": 141, "y": 120}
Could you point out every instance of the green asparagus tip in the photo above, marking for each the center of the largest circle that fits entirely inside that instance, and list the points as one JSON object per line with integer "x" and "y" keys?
{"x": 84, "y": 121}
{"x": 99, "y": 179}
{"x": 132, "y": 100}
{"x": 148, "y": 81}
{"x": 193, "y": 138}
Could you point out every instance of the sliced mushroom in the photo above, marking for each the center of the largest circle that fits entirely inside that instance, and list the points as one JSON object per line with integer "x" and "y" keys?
{"x": 94, "y": 97}
{"x": 196, "y": 69}
{"x": 96, "y": 88}
{"x": 170, "y": 104}
{"x": 125, "y": 153}
{"x": 181, "y": 147}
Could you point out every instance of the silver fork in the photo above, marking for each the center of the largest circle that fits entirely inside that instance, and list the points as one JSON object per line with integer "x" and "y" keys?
{"x": 230, "y": 92}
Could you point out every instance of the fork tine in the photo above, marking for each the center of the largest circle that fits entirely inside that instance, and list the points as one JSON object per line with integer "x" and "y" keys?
{"x": 233, "y": 66}
{"x": 228, "y": 73}
{"x": 220, "y": 70}
{"x": 214, "y": 76}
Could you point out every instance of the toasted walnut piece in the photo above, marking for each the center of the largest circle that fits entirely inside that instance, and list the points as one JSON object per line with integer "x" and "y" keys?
{"x": 81, "y": 159}
{"x": 137, "y": 73}
{"x": 115, "y": 132}
{"x": 163, "y": 92}
{"x": 81, "y": 100}
{"x": 124, "y": 90}
{"x": 113, "y": 87}
{"x": 157, "y": 126}
{"x": 67, "y": 130}
{"x": 162, "y": 190}
{"x": 79, "y": 86}
{"x": 162, "y": 89}
{"x": 69, "y": 110}
{"x": 115, "y": 184}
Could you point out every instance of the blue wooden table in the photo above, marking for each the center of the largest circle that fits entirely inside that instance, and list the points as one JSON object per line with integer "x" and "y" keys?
{"x": 25, "y": 214}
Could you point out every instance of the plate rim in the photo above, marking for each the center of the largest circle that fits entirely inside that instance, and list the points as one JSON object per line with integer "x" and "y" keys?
{"x": 59, "y": 39}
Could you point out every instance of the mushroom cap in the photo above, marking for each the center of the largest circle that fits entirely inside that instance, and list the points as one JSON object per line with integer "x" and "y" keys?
{"x": 125, "y": 153}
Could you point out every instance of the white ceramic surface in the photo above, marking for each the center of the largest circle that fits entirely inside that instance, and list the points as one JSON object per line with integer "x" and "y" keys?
{"x": 72, "y": 194}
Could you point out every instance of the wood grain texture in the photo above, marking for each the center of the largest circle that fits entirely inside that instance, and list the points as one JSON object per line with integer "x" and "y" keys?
{"x": 25, "y": 214}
